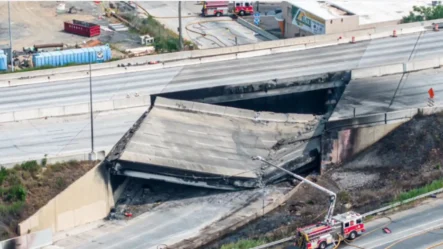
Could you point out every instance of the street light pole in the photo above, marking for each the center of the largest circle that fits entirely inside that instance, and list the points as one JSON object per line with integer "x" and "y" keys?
{"x": 10, "y": 36}
{"x": 90, "y": 104}
{"x": 180, "y": 24}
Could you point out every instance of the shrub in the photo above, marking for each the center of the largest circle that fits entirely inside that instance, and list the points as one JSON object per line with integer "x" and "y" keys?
{"x": 3, "y": 174}
{"x": 244, "y": 244}
{"x": 30, "y": 166}
{"x": 16, "y": 193}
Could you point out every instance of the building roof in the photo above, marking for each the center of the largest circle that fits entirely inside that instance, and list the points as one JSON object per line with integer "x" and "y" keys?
{"x": 376, "y": 11}
{"x": 369, "y": 11}
{"x": 322, "y": 9}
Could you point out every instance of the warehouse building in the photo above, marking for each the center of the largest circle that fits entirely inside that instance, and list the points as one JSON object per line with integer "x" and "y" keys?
{"x": 310, "y": 17}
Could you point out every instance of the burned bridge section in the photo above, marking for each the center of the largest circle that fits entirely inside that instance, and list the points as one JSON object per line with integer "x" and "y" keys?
{"x": 211, "y": 146}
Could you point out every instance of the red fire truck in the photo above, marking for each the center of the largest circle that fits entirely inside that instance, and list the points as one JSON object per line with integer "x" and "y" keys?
{"x": 215, "y": 8}
{"x": 348, "y": 225}
{"x": 321, "y": 235}
{"x": 243, "y": 8}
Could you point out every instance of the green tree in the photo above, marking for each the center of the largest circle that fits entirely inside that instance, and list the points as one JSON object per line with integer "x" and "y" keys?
{"x": 423, "y": 13}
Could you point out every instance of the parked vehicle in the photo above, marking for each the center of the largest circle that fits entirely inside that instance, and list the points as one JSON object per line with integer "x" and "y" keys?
{"x": 215, "y": 8}
{"x": 82, "y": 28}
{"x": 319, "y": 236}
{"x": 243, "y": 8}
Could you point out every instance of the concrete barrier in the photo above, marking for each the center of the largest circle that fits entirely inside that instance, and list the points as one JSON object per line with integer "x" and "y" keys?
{"x": 253, "y": 54}
{"x": 257, "y": 29}
{"x": 422, "y": 64}
{"x": 288, "y": 49}
{"x": 60, "y": 158}
{"x": 181, "y": 63}
{"x": 377, "y": 71}
{"x": 218, "y": 58}
{"x": 77, "y": 109}
{"x": 77, "y": 205}
{"x": 29, "y": 241}
{"x": 410, "y": 66}
{"x": 6, "y": 117}
{"x": 371, "y": 33}
{"x": 131, "y": 102}
{"x": 26, "y": 114}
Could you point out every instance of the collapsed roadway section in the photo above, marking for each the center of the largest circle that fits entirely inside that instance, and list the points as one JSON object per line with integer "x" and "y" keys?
{"x": 211, "y": 146}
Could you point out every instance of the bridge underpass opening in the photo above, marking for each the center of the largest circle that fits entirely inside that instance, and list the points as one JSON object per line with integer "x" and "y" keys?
{"x": 311, "y": 102}
{"x": 313, "y": 94}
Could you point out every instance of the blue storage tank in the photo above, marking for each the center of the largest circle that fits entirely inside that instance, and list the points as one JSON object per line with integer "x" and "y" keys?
{"x": 73, "y": 56}
{"x": 3, "y": 61}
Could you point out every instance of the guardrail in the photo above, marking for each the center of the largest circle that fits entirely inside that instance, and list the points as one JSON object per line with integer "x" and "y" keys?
{"x": 298, "y": 43}
{"x": 380, "y": 118}
{"x": 278, "y": 242}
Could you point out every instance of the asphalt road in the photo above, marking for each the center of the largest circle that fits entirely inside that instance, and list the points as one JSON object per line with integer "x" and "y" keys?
{"x": 25, "y": 140}
{"x": 417, "y": 228}
{"x": 221, "y": 31}
{"x": 32, "y": 139}
{"x": 390, "y": 93}
{"x": 284, "y": 65}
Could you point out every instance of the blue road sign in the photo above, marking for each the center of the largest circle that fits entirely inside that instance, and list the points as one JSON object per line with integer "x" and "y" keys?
{"x": 257, "y": 18}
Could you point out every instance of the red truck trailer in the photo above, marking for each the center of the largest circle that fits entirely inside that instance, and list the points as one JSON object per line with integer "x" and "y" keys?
{"x": 215, "y": 8}
{"x": 82, "y": 28}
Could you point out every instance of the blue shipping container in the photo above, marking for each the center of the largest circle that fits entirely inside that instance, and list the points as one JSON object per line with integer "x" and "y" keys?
{"x": 3, "y": 61}
{"x": 73, "y": 56}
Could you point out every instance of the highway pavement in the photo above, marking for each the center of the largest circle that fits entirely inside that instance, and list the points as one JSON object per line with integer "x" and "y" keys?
{"x": 32, "y": 139}
{"x": 283, "y": 65}
{"x": 20, "y": 140}
{"x": 417, "y": 228}
{"x": 390, "y": 93}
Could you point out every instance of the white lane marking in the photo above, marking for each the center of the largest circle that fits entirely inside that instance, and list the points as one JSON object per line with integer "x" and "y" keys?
{"x": 385, "y": 241}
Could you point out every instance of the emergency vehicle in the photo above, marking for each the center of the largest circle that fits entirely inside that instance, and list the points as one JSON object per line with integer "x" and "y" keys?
{"x": 215, "y": 8}
{"x": 243, "y": 8}
{"x": 348, "y": 225}
{"x": 321, "y": 235}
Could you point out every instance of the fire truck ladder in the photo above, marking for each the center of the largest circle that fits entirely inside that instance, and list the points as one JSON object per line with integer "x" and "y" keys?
{"x": 332, "y": 195}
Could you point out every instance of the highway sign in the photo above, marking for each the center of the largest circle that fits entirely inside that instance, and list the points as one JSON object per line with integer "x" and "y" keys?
{"x": 257, "y": 18}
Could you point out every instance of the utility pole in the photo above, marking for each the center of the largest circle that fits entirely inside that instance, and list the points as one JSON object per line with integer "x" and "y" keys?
{"x": 180, "y": 24}
{"x": 90, "y": 104}
{"x": 10, "y": 36}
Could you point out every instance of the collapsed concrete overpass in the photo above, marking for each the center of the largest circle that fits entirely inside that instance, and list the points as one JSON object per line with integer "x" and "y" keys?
{"x": 211, "y": 146}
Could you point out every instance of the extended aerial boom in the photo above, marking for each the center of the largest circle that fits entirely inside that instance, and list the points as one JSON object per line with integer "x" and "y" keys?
{"x": 332, "y": 195}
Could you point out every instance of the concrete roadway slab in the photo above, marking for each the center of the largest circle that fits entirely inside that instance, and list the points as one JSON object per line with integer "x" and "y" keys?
{"x": 193, "y": 138}
{"x": 232, "y": 72}
{"x": 172, "y": 221}
{"x": 33, "y": 139}
{"x": 383, "y": 94}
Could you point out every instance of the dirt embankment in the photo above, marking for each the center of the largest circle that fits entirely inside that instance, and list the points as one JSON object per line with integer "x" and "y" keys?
{"x": 27, "y": 187}
{"x": 408, "y": 158}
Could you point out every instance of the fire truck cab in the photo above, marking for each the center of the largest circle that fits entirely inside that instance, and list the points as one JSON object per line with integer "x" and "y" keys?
{"x": 215, "y": 8}
{"x": 243, "y": 8}
{"x": 319, "y": 236}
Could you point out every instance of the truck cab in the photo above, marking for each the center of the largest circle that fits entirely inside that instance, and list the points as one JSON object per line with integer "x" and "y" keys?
{"x": 351, "y": 224}
{"x": 322, "y": 235}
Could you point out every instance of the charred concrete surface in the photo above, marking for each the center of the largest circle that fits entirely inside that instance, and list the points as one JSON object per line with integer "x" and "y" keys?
{"x": 211, "y": 146}
{"x": 261, "y": 89}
